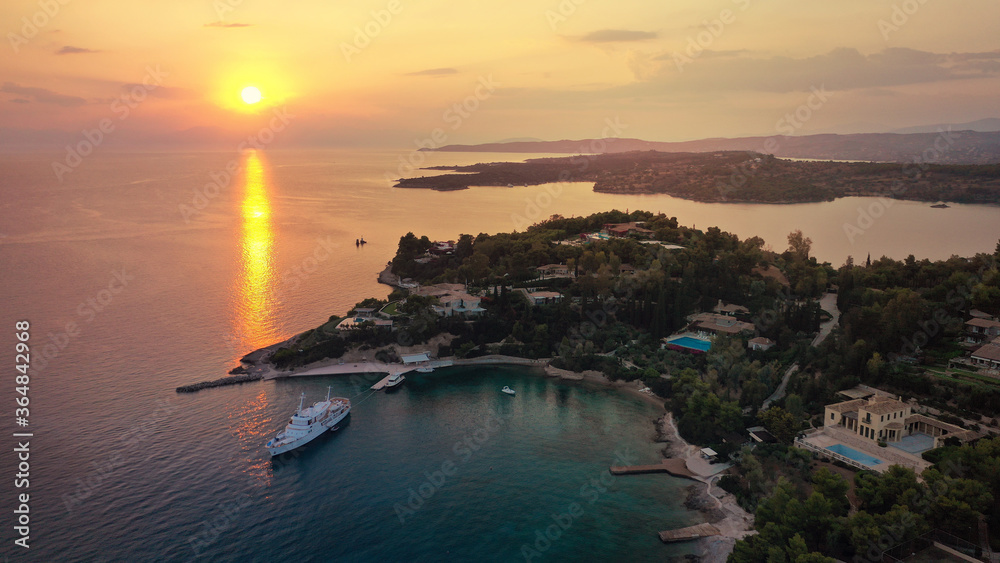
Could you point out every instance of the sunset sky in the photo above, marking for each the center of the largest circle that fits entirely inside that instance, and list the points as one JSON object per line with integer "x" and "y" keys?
{"x": 557, "y": 69}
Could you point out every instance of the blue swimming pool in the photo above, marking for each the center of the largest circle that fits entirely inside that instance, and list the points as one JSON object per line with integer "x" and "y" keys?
{"x": 854, "y": 454}
{"x": 691, "y": 343}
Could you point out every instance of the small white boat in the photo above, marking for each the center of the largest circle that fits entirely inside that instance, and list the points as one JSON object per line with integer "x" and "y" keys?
{"x": 308, "y": 423}
{"x": 507, "y": 390}
{"x": 425, "y": 370}
{"x": 394, "y": 381}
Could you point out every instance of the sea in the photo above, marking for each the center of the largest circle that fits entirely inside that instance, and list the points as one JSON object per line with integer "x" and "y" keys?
{"x": 136, "y": 273}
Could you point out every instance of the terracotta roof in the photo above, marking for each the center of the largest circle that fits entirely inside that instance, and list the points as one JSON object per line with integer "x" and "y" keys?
{"x": 762, "y": 340}
{"x": 730, "y": 308}
{"x": 983, "y": 323}
{"x": 990, "y": 351}
{"x": 882, "y": 405}
{"x": 894, "y": 426}
{"x": 846, "y": 406}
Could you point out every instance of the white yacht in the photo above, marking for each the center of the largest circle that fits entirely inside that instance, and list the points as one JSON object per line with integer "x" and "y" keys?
{"x": 506, "y": 389}
{"x": 306, "y": 424}
{"x": 394, "y": 381}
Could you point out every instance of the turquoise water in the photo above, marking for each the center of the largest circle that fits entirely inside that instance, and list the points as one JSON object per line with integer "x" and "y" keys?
{"x": 854, "y": 454}
{"x": 447, "y": 468}
{"x": 692, "y": 343}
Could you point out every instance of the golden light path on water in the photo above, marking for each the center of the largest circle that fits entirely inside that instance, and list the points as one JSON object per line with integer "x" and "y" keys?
{"x": 254, "y": 312}
{"x": 255, "y": 309}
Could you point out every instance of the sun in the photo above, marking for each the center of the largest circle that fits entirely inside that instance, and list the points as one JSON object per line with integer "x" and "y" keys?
{"x": 250, "y": 95}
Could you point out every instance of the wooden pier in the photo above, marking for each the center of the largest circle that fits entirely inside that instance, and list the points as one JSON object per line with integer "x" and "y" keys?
{"x": 673, "y": 466}
{"x": 689, "y": 533}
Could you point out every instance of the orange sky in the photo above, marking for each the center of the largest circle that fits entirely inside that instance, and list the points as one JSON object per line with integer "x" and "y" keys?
{"x": 547, "y": 69}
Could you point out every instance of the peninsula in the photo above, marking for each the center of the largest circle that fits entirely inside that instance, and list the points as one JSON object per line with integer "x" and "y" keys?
{"x": 751, "y": 352}
{"x": 731, "y": 176}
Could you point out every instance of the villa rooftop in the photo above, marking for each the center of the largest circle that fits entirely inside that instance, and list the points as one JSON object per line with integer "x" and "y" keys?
{"x": 848, "y": 406}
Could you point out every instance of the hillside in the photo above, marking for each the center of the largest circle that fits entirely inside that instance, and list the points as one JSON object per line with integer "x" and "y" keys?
{"x": 954, "y": 147}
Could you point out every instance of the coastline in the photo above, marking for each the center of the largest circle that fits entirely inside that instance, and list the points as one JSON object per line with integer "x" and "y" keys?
{"x": 716, "y": 505}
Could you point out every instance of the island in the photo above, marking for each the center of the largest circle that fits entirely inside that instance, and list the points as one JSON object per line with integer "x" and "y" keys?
{"x": 820, "y": 412}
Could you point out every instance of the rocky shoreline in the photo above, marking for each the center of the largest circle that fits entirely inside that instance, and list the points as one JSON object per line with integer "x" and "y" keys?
{"x": 716, "y": 505}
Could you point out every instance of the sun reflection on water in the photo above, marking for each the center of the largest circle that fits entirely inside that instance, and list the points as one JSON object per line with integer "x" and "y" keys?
{"x": 255, "y": 309}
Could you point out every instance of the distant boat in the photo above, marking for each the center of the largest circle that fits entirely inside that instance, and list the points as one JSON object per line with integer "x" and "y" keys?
{"x": 306, "y": 424}
{"x": 507, "y": 390}
{"x": 510, "y": 185}
{"x": 425, "y": 370}
{"x": 395, "y": 381}
{"x": 940, "y": 205}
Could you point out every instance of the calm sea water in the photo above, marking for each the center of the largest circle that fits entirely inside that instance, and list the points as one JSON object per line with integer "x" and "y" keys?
{"x": 130, "y": 295}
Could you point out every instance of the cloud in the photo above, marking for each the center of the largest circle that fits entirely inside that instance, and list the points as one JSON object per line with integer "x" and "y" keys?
{"x": 164, "y": 92}
{"x": 228, "y": 25}
{"x": 71, "y": 50}
{"x": 19, "y": 101}
{"x": 42, "y": 96}
{"x": 433, "y": 72}
{"x": 614, "y": 35}
{"x": 839, "y": 69}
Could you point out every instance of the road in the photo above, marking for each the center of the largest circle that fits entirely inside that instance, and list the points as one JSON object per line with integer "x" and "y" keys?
{"x": 829, "y": 304}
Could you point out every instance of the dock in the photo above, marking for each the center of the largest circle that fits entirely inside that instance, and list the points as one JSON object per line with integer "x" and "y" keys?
{"x": 673, "y": 466}
{"x": 385, "y": 381}
{"x": 689, "y": 533}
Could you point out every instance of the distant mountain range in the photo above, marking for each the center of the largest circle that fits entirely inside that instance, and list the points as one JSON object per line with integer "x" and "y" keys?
{"x": 946, "y": 147}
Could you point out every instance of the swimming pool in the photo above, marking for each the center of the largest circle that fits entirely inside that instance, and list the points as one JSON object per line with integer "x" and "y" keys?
{"x": 854, "y": 454}
{"x": 691, "y": 343}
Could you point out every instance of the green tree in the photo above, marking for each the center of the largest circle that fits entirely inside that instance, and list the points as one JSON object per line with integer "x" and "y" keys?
{"x": 833, "y": 487}
{"x": 780, "y": 423}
